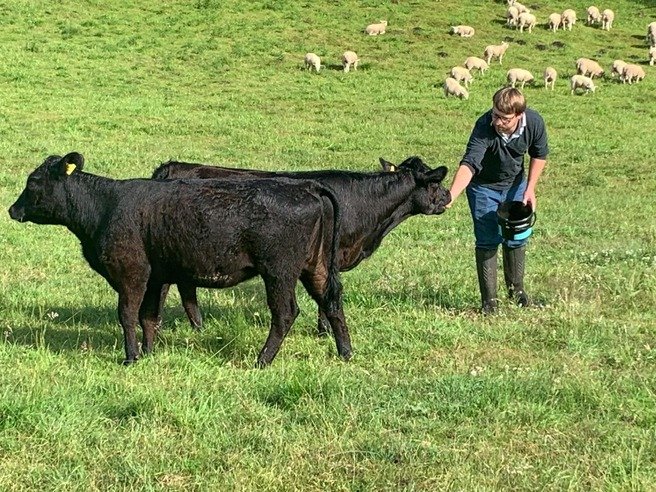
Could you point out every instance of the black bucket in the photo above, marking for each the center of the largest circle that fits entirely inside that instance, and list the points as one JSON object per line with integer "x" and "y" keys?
{"x": 516, "y": 220}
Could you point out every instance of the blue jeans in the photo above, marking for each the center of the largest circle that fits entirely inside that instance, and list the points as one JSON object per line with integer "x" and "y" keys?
{"x": 483, "y": 204}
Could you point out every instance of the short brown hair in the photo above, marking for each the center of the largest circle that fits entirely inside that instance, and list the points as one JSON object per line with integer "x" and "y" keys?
{"x": 509, "y": 100}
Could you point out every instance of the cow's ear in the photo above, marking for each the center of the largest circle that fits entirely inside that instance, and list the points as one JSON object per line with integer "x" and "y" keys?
{"x": 70, "y": 163}
{"x": 387, "y": 166}
{"x": 437, "y": 174}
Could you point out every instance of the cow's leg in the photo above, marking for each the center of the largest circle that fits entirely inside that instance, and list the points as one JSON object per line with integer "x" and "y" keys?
{"x": 335, "y": 315}
{"x": 162, "y": 302}
{"x": 128, "y": 272}
{"x": 150, "y": 316}
{"x": 281, "y": 299}
{"x": 323, "y": 325}
{"x": 129, "y": 302}
{"x": 190, "y": 304}
{"x": 330, "y": 305}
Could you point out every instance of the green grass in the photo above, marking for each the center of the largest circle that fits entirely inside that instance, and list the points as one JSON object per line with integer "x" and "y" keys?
{"x": 437, "y": 397}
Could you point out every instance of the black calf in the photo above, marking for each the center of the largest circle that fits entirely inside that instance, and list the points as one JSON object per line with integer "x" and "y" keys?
{"x": 373, "y": 204}
{"x": 141, "y": 234}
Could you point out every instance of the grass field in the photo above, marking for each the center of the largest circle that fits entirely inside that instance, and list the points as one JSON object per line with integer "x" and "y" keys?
{"x": 437, "y": 396}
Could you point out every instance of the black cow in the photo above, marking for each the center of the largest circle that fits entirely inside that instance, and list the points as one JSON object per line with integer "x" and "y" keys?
{"x": 372, "y": 205}
{"x": 141, "y": 234}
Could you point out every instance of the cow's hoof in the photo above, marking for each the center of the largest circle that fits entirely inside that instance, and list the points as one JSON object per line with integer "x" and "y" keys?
{"x": 323, "y": 329}
{"x": 129, "y": 362}
{"x": 489, "y": 307}
{"x": 346, "y": 355}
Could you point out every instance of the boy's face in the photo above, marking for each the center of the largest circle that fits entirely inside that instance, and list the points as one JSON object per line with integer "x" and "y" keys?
{"x": 504, "y": 123}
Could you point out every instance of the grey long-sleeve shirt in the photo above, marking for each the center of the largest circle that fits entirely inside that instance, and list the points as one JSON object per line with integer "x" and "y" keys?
{"x": 497, "y": 163}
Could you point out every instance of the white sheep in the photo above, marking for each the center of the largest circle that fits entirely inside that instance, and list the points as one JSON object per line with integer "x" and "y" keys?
{"x": 652, "y": 55}
{"x": 555, "y": 20}
{"x": 632, "y": 73}
{"x": 453, "y": 88}
{"x": 583, "y": 82}
{"x": 617, "y": 68}
{"x": 585, "y": 66}
{"x": 312, "y": 61}
{"x": 607, "y": 18}
{"x": 569, "y": 19}
{"x": 593, "y": 15}
{"x": 512, "y": 16}
{"x": 651, "y": 33}
{"x": 475, "y": 62}
{"x": 350, "y": 59}
{"x": 463, "y": 31}
{"x": 550, "y": 76}
{"x": 495, "y": 51}
{"x": 462, "y": 73}
{"x": 520, "y": 8}
{"x": 515, "y": 75}
{"x": 528, "y": 20}
{"x": 376, "y": 29}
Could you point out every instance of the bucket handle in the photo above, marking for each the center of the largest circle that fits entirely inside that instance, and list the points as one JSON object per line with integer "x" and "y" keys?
{"x": 533, "y": 219}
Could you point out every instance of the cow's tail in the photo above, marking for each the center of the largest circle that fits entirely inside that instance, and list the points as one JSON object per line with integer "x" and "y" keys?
{"x": 333, "y": 292}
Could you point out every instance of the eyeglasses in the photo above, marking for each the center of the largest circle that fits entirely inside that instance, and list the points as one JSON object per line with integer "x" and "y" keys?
{"x": 503, "y": 119}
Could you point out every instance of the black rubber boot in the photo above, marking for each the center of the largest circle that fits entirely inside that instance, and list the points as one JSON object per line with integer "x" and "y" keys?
{"x": 486, "y": 267}
{"x": 513, "y": 272}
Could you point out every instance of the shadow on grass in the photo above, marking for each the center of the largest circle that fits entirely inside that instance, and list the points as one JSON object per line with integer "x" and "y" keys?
{"x": 87, "y": 328}
{"x": 233, "y": 329}
{"x": 73, "y": 330}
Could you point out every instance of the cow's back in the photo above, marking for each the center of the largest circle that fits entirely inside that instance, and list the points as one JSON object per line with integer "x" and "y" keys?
{"x": 217, "y": 233}
{"x": 365, "y": 197}
{"x": 187, "y": 170}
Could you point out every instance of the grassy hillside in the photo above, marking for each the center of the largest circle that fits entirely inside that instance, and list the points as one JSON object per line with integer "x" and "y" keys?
{"x": 437, "y": 397}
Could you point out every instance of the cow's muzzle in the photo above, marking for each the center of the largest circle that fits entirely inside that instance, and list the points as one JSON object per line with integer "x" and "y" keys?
{"x": 17, "y": 213}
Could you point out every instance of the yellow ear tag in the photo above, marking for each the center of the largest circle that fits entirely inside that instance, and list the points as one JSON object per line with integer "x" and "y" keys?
{"x": 392, "y": 169}
{"x": 70, "y": 168}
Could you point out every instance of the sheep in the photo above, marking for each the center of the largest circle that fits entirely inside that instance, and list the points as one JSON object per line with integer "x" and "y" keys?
{"x": 528, "y": 20}
{"x": 652, "y": 55}
{"x": 651, "y": 34}
{"x": 550, "y": 76}
{"x": 617, "y": 68}
{"x": 585, "y": 66}
{"x": 312, "y": 61}
{"x": 607, "y": 18}
{"x": 376, "y": 29}
{"x": 453, "y": 88}
{"x": 474, "y": 62}
{"x": 583, "y": 82}
{"x": 512, "y": 16}
{"x": 515, "y": 75}
{"x": 632, "y": 73}
{"x": 463, "y": 31}
{"x": 569, "y": 19}
{"x": 495, "y": 51}
{"x": 593, "y": 15}
{"x": 350, "y": 59}
{"x": 520, "y": 8}
{"x": 555, "y": 20}
{"x": 462, "y": 73}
